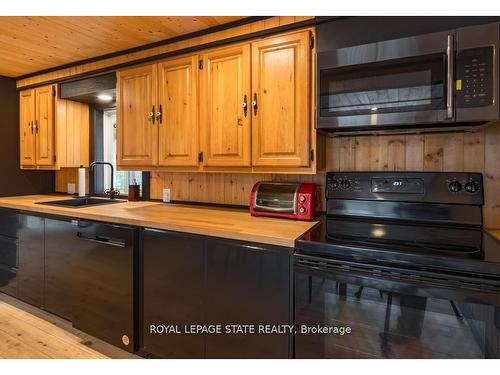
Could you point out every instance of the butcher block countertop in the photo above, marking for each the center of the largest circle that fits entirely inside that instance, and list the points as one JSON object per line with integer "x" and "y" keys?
{"x": 495, "y": 233}
{"x": 228, "y": 223}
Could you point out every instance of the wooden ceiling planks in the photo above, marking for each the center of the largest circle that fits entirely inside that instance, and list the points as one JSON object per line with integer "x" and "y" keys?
{"x": 29, "y": 44}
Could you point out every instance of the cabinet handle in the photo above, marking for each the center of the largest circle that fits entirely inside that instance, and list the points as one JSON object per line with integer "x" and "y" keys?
{"x": 36, "y": 126}
{"x": 159, "y": 116}
{"x": 99, "y": 240}
{"x": 254, "y": 104}
{"x": 450, "y": 81}
{"x": 30, "y": 126}
{"x": 244, "y": 105}
{"x": 152, "y": 114}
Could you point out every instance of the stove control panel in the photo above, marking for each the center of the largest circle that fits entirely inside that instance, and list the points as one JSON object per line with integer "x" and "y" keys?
{"x": 435, "y": 187}
{"x": 470, "y": 186}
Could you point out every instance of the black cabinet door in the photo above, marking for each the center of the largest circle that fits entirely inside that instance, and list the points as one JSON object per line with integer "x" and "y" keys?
{"x": 60, "y": 237}
{"x": 103, "y": 282}
{"x": 9, "y": 222}
{"x": 8, "y": 265}
{"x": 31, "y": 259}
{"x": 248, "y": 284}
{"x": 173, "y": 292}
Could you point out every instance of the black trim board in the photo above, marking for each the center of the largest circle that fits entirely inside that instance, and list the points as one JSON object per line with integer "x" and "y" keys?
{"x": 235, "y": 39}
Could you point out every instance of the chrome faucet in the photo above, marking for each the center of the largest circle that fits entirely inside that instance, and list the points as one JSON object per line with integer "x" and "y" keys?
{"x": 112, "y": 193}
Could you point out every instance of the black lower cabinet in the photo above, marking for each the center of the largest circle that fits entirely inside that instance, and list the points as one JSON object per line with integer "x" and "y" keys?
{"x": 191, "y": 280}
{"x": 8, "y": 265}
{"x": 9, "y": 222}
{"x": 30, "y": 275}
{"x": 248, "y": 284}
{"x": 60, "y": 237}
{"x": 103, "y": 282}
{"x": 173, "y": 293}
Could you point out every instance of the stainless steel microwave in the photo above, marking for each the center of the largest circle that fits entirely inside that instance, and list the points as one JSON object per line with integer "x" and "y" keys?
{"x": 448, "y": 78}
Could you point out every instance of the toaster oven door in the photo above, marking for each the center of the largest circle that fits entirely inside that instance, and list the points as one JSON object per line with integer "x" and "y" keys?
{"x": 280, "y": 198}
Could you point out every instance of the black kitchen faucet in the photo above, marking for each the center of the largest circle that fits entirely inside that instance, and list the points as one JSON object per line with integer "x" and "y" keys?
{"x": 111, "y": 192}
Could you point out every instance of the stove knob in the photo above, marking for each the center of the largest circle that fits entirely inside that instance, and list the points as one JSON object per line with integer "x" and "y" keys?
{"x": 302, "y": 198}
{"x": 471, "y": 187}
{"x": 345, "y": 184}
{"x": 454, "y": 186}
{"x": 333, "y": 184}
{"x": 302, "y": 210}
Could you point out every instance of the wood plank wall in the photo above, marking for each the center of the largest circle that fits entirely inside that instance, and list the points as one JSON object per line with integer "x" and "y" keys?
{"x": 223, "y": 188}
{"x": 65, "y": 176}
{"x": 469, "y": 152}
{"x": 452, "y": 152}
{"x": 447, "y": 152}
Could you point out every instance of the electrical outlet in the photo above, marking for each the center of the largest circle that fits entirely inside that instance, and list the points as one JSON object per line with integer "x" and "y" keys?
{"x": 166, "y": 195}
{"x": 71, "y": 188}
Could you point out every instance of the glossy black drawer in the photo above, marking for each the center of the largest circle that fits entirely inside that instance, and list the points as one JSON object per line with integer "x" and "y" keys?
{"x": 9, "y": 223}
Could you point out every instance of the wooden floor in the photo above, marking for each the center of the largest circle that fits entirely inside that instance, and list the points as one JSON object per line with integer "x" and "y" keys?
{"x": 28, "y": 332}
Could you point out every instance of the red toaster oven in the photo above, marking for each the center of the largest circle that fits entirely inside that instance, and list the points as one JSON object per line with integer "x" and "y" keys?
{"x": 300, "y": 201}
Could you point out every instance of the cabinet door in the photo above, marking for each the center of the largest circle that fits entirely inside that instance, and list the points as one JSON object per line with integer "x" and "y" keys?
{"x": 9, "y": 224}
{"x": 281, "y": 86}
{"x": 8, "y": 265}
{"x": 27, "y": 131}
{"x": 173, "y": 292}
{"x": 248, "y": 284}
{"x": 31, "y": 259}
{"x": 59, "y": 245}
{"x": 178, "y": 122}
{"x": 137, "y": 132}
{"x": 45, "y": 125}
{"x": 72, "y": 133}
{"x": 226, "y": 123}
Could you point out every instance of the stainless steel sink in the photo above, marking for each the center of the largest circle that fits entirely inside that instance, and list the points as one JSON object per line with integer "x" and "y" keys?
{"x": 81, "y": 202}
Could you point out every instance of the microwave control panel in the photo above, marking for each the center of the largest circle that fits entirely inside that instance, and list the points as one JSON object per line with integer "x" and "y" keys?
{"x": 475, "y": 77}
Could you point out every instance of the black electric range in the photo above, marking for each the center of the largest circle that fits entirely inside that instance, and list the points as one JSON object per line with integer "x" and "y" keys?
{"x": 403, "y": 259}
{"x": 441, "y": 248}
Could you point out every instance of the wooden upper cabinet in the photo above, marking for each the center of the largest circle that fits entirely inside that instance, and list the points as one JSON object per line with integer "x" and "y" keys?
{"x": 26, "y": 128}
{"x": 137, "y": 133}
{"x": 226, "y": 125}
{"x": 281, "y": 89}
{"x": 44, "y": 125}
{"x": 178, "y": 143}
{"x": 54, "y": 132}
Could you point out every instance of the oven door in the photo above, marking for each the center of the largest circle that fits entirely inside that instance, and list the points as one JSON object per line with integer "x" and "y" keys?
{"x": 349, "y": 310}
{"x": 406, "y": 81}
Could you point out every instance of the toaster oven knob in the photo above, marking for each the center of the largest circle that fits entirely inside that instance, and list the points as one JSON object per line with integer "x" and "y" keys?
{"x": 302, "y": 198}
{"x": 302, "y": 210}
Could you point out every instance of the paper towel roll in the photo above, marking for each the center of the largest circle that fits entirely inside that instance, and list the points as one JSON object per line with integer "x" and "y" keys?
{"x": 81, "y": 181}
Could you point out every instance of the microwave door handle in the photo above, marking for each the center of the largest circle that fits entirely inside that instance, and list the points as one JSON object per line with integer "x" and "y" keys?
{"x": 450, "y": 75}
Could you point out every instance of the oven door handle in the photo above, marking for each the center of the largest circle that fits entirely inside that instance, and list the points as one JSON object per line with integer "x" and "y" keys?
{"x": 450, "y": 77}
{"x": 394, "y": 279}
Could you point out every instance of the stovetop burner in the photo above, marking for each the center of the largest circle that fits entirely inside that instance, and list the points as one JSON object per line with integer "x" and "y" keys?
{"x": 479, "y": 253}
{"x": 406, "y": 237}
